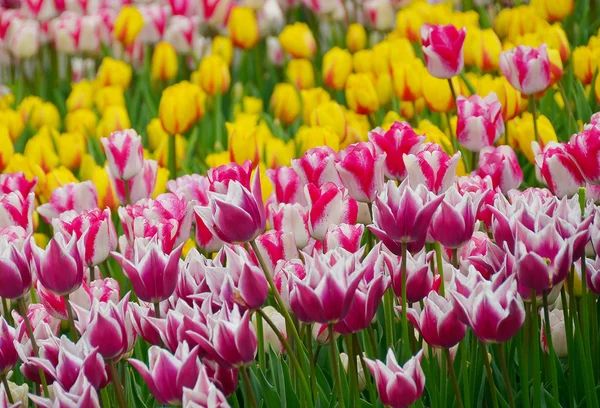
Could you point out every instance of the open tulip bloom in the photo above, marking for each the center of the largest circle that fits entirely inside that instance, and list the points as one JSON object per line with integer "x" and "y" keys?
{"x": 307, "y": 203}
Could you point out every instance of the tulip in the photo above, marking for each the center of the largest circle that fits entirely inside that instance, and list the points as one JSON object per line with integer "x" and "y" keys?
{"x": 164, "y": 62}
{"x": 139, "y": 187}
{"x": 41, "y": 10}
{"x": 16, "y": 210}
{"x": 419, "y": 281}
{"x": 6, "y": 147}
{"x": 179, "y": 107}
{"x": 290, "y": 218}
{"x": 14, "y": 123}
{"x": 8, "y": 353}
{"x": 223, "y": 47}
{"x": 559, "y": 169}
{"x": 17, "y": 181}
{"x": 501, "y": 164}
{"x": 81, "y": 394}
{"x": 285, "y": 103}
{"x": 236, "y": 214}
{"x": 337, "y": 66}
{"x": 480, "y": 122}
{"x": 398, "y": 386}
{"x": 344, "y": 236}
{"x": 495, "y": 312}
{"x": 438, "y": 322}
{"x": 384, "y": 88}
{"x": 356, "y": 37}
{"x": 526, "y": 68}
{"x": 243, "y": 27}
{"x": 128, "y": 25}
{"x": 399, "y": 140}
{"x": 298, "y": 40}
{"x": 125, "y": 153}
{"x": 361, "y": 95}
{"x": 181, "y": 32}
{"x": 443, "y": 49}
{"x": 379, "y": 13}
{"x": 317, "y": 166}
{"x": 25, "y": 38}
{"x": 584, "y": 63}
{"x": 15, "y": 274}
{"x": 214, "y": 75}
{"x": 274, "y": 246}
{"x": 555, "y": 10}
{"x": 558, "y": 333}
{"x": 220, "y": 177}
{"x": 301, "y": 73}
{"x": 328, "y": 205}
{"x": 407, "y": 77}
{"x": 274, "y": 51}
{"x": 583, "y": 147}
{"x": 270, "y": 337}
{"x": 243, "y": 143}
{"x": 287, "y": 184}
{"x": 361, "y": 171}
{"x": 205, "y": 393}
{"x": 435, "y": 169}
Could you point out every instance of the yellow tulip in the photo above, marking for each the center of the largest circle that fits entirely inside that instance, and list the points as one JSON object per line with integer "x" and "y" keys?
{"x": 434, "y": 134}
{"x": 109, "y": 96}
{"x": 356, "y": 37}
{"x": 81, "y": 121}
{"x": 162, "y": 176}
{"x": 213, "y": 75}
{"x": 6, "y": 147}
{"x": 187, "y": 247}
{"x": 314, "y": 136}
{"x": 156, "y": 133}
{"x": 298, "y": 40}
{"x": 106, "y": 193}
{"x": 489, "y": 59}
{"x": 361, "y": 95}
{"x": 30, "y": 169}
{"x": 164, "y": 62}
{"x": 28, "y": 105}
{"x": 300, "y": 72}
{"x": 386, "y": 53}
{"x": 524, "y": 133}
{"x": 279, "y": 153}
{"x": 362, "y": 61}
{"x": 218, "y": 159}
{"x": 71, "y": 148}
{"x": 243, "y": 144}
{"x": 178, "y": 108}
{"x": 80, "y": 96}
{"x": 585, "y": 62}
{"x": 407, "y": 78}
{"x": 389, "y": 119}
{"x": 13, "y": 122}
{"x": 330, "y": 114}
{"x": 161, "y": 154}
{"x": 556, "y": 38}
{"x": 556, "y": 66}
{"x": 7, "y": 101}
{"x": 128, "y": 25}
{"x": 597, "y": 90}
{"x": 113, "y": 72}
{"x": 337, "y": 66}
{"x": 385, "y": 88}
{"x": 358, "y": 128}
{"x": 408, "y": 110}
{"x": 408, "y": 24}
{"x": 553, "y": 10}
{"x": 252, "y": 105}
{"x": 311, "y": 98}
{"x": 41, "y": 240}
{"x": 437, "y": 93}
{"x": 45, "y": 115}
{"x": 57, "y": 177}
{"x": 40, "y": 149}
{"x": 502, "y": 21}
{"x": 285, "y": 103}
{"x": 114, "y": 118}
{"x": 223, "y": 47}
{"x": 524, "y": 20}
{"x": 243, "y": 27}
{"x": 87, "y": 167}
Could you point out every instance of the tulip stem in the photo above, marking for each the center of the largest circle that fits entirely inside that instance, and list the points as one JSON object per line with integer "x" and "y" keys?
{"x": 569, "y": 335}
{"x": 488, "y": 373}
{"x": 524, "y": 364}
{"x": 535, "y": 350}
{"x": 452, "y": 135}
{"x": 72, "y": 330}
{"x": 405, "y": 341}
{"x": 334, "y": 366}
{"x": 172, "y": 158}
{"x": 7, "y": 389}
{"x": 352, "y": 370}
{"x": 249, "y": 391}
{"x": 157, "y": 310}
{"x": 6, "y": 309}
{"x": 114, "y": 376}
{"x": 92, "y": 274}
{"x": 511, "y": 401}
{"x": 372, "y": 341}
{"x": 551, "y": 353}
{"x": 311, "y": 356}
{"x": 261, "y": 342}
{"x": 34, "y": 346}
{"x": 450, "y": 365}
{"x": 290, "y": 353}
{"x": 568, "y": 108}
{"x": 440, "y": 267}
{"x": 455, "y": 257}
{"x": 127, "y": 192}
{"x": 534, "y": 115}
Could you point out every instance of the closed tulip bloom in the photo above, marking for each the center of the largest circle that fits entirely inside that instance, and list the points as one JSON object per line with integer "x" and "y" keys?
{"x": 298, "y": 40}
{"x": 14, "y": 122}
{"x": 125, "y": 153}
{"x": 8, "y": 353}
{"x": 361, "y": 95}
{"x": 204, "y": 393}
{"x": 361, "y": 171}
{"x": 584, "y": 147}
{"x": 290, "y": 218}
{"x": 419, "y": 281}
{"x": 223, "y": 47}
{"x": 288, "y": 187}
{"x": 584, "y": 63}
{"x": 82, "y": 394}
{"x": 443, "y": 49}
{"x": 25, "y": 38}
{"x": 399, "y": 140}
{"x": 337, "y": 66}
{"x": 480, "y": 121}
{"x": 17, "y": 181}
{"x": 331, "y": 114}
{"x": 114, "y": 118}
{"x": 556, "y": 10}
{"x": 437, "y": 93}
{"x": 317, "y": 166}
{"x": 344, "y": 236}
{"x": 356, "y": 37}
{"x": 407, "y": 77}
{"x": 14, "y": 269}
{"x": 73, "y": 196}
{"x": 559, "y": 169}
{"x": 495, "y": 312}
{"x": 526, "y": 68}
{"x": 6, "y": 147}
{"x": 168, "y": 388}
{"x": 328, "y": 205}
{"x": 16, "y": 210}
{"x": 438, "y": 322}
{"x": 501, "y": 164}
{"x": 275, "y": 246}
{"x": 558, "y": 333}
{"x": 301, "y": 73}
{"x": 285, "y": 103}
{"x": 214, "y": 76}
{"x": 178, "y": 108}
{"x": 128, "y": 25}
{"x": 435, "y": 169}
{"x": 243, "y": 27}
{"x": 379, "y": 14}
{"x": 59, "y": 266}
{"x": 398, "y": 387}
{"x": 141, "y": 186}
{"x": 164, "y": 62}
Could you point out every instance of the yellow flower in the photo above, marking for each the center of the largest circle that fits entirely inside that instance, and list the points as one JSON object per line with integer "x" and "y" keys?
{"x": 7, "y": 101}
{"x": 30, "y": 169}
{"x": 407, "y": 78}
{"x": 279, "y": 153}
{"x": 524, "y": 134}
{"x": 40, "y": 149}
{"x": 109, "y": 96}
{"x": 362, "y": 61}
{"x": 361, "y": 95}
{"x": 187, "y": 247}
{"x": 556, "y": 66}
{"x": 223, "y": 47}
{"x": 87, "y": 167}
{"x": 164, "y": 62}
{"x": 6, "y": 147}
{"x": 386, "y": 53}
{"x": 358, "y": 128}
{"x": 28, "y": 105}
{"x": 407, "y": 109}
{"x": 298, "y": 40}
{"x": 385, "y": 88}
{"x": 489, "y": 59}
{"x": 337, "y": 65}
{"x": 243, "y": 143}
{"x": 162, "y": 176}
{"x": 13, "y": 122}
{"x": 179, "y": 107}
{"x": 57, "y": 177}
{"x": 41, "y": 240}
{"x": 311, "y": 98}
{"x": 556, "y": 38}
{"x": 356, "y": 37}
{"x": 218, "y": 159}
{"x": 314, "y": 136}
{"x": 213, "y": 75}
{"x": 161, "y": 154}
{"x": 266, "y": 186}
{"x": 71, "y": 148}
{"x": 300, "y": 72}
{"x": 106, "y": 193}
{"x": 408, "y": 24}
{"x": 437, "y": 93}
{"x": 389, "y": 119}
{"x": 113, "y": 72}
{"x": 330, "y": 114}
{"x": 553, "y": 10}
{"x": 252, "y": 105}
{"x": 114, "y": 118}
{"x": 509, "y": 97}
{"x": 128, "y": 25}
{"x": 45, "y": 115}
{"x": 243, "y": 27}
{"x": 81, "y": 121}
{"x": 156, "y": 134}
{"x": 285, "y": 103}
{"x": 585, "y": 62}
{"x": 80, "y": 96}
{"x": 434, "y": 134}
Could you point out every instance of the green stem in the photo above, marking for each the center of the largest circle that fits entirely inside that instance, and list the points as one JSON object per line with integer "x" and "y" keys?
{"x": 249, "y": 391}
{"x": 465, "y": 373}
{"x": 372, "y": 341}
{"x": 114, "y": 376}
{"x": 157, "y": 310}
{"x": 217, "y": 123}
{"x": 569, "y": 335}
{"x": 311, "y": 356}
{"x": 334, "y": 366}
{"x": 7, "y": 389}
{"x": 388, "y": 309}
{"x": 6, "y": 309}
{"x": 352, "y": 371}
{"x": 92, "y": 274}
{"x": 488, "y": 373}
{"x": 452, "y": 135}
{"x": 72, "y": 330}
{"x": 34, "y": 346}
{"x": 172, "y": 157}
{"x": 533, "y": 109}
{"x": 511, "y": 400}
{"x": 261, "y": 342}
{"x": 455, "y": 257}
{"x": 405, "y": 341}
{"x": 440, "y": 267}
{"x": 127, "y": 192}
{"x": 453, "y": 378}
{"x": 535, "y": 350}
{"x": 551, "y": 353}
{"x": 568, "y": 108}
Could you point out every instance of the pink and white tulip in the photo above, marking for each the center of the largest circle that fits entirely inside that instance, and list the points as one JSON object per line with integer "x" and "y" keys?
{"x": 443, "y": 49}
{"x": 501, "y": 164}
{"x": 125, "y": 153}
{"x": 419, "y": 280}
{"x": 10, "y": 182}
{"x": 328, "y": 205}
{"x": 431, "y": 167}
{"x": 584, "y": 147}
{"x": 73, "y": 196}
{"x": 560, "y": 171}
{"x": 140, "y": 186}
{"x": 480, "y": 122}
{"x": 317, "y": 166}
{"x": 15, "y": 274}
{"x": 292, "y": 218}
{"x": 17, "y": 210}
{"x": 344, "y": 236}
{"x": 361, "y": 169}
{"x": 287, "y": 184}
{"x": 275, "y": 246}
{"x": 8, "y": 353}
{"x": 526, "y": 68}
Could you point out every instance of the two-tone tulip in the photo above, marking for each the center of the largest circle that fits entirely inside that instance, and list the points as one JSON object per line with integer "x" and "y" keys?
{"x": 443, "y": 49}
{"x": 501, "y": 165}
{"x": 432, "y": 167}
{"x": 361, "y": 170}
{"x": 329, "y": 205}
{"x": 73, "y": 196}
{"x": 526, "y": 68}
{"x": 480, "y": 121}
{"x": 559, "y": 169}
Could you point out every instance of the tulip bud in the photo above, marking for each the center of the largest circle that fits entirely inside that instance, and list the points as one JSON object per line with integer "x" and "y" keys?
{"x": 356, "y": 38}
{"x": 407, "y": 77}
{"x": 361, "y": 171}
{"x": 8, "y": 353}
{"x": 180, "y": 107}
{"x": 557, "y": 331}
{"x": 501, "y": 164}
{"x": 125, "y": 154}
{"x": 480, "y": 122}
{"x": 379, "y": 13}
{"x": 443, "y": 49}
{"x": 435, "y": 169}
{"x": 311, "y": 99}
{"x": 300, "y": 72}
{"x": 114, "y": 118}
{"x": 213, "y": 75}
{"x": 361, "y": 95}
{"x": 25, "y": 38}
{"x": 141, "y": 186}
{"x": 582, "y": 147}
{"x": 243, "y": 27}
{"x": 298, "y": 40}
{"x": 560, "y": 171}
{"x": 526, "y": 68}
{"x": 128, "y": 25}
{"x": 337, "y": 66}
{"x": 285, "y": 103}
{"x": 164, "y": 62}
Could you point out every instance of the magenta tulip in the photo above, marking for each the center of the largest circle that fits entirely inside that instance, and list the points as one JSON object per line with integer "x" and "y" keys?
{"x": 432, "y": 167}
{"x": 16, "y": 210}
{"x": 317, "y": 166}
{"x": 139, "y": 187}
{"x": 274, "y": 246}
{"x": 288, "y": 187}
{"x": 8, "y": 353}
{"x": 584, "y": 147}
{"x": 443, "y": 49}
{"x": 292, "y": 218}
{"x": 361, "y": 170}
{"x": 526, "y": 68}
{"x": 125, "y": 153}
{"x": 480, "y": 122}
{"x": 345, "y": 236}
{"x": 17, "y": 181}
{"x": 81, "y": 395}
{"x": 73, "y": 196}
{"x": 419, "y": 280}
{"x": 204, "y": 393}
{"x": 559, "y": 170}
{"x": 220, "y": 177}
{"x": 329, "y": 205}
{"x": 15, "y": 275}
{"x": 501, "y": 164}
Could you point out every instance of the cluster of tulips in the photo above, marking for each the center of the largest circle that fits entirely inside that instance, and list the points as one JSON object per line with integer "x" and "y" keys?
{"x": 316, "y": 203}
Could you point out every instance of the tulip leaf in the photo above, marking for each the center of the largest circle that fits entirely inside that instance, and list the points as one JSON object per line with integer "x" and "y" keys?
{"x": 269, "y": 392}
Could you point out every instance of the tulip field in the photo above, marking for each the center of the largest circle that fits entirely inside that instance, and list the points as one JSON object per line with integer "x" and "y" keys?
{"x": 299, "y": 203}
